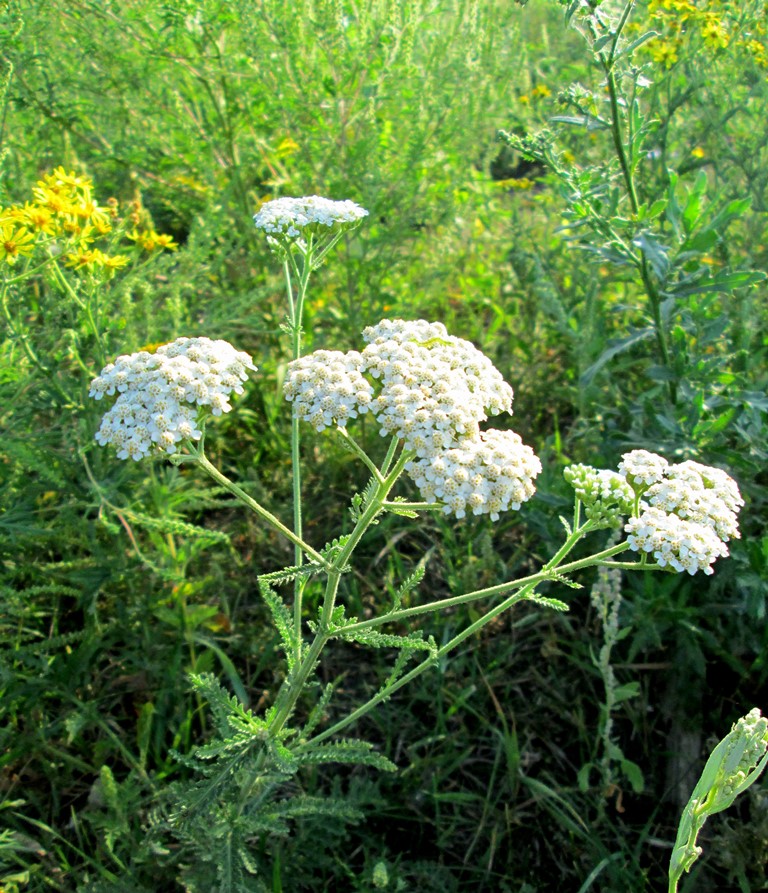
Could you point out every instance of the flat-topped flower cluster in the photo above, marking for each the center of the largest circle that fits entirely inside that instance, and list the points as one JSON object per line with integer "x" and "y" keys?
{"x": 431, "y": 390}
{"x": 161, "y": 394}
{"x": 294, "y": 217}
{"x": 683, "y": 514}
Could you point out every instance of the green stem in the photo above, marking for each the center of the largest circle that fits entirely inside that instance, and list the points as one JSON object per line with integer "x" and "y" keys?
{"x": 361, "y": 454}
{"x": 296, "y": 312}
{"x": 201, "y": 460}
{"x": 541, "y": 577}
{"x": 526, "y": 590}
{"x": 293, "y": 686}
{"x": 391, "y": 450}
{"x": 426, "y": 664}
{"x": 85, "y": 306}
{"x": 625, "y": 164}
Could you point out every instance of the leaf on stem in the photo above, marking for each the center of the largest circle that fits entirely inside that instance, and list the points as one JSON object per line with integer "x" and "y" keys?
{"x": 352, "y": 751}
{"x": 412, "y": 642}
{"x": 410, "y": 582}
{"x": 282, "y": 618}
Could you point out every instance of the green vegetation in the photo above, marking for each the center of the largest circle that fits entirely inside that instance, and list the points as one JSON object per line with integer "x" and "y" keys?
{"x": 579, "y": 189}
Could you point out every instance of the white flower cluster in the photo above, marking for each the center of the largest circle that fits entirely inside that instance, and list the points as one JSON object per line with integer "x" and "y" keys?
{"x": 699, "y": 494}
{"x": 681, "y": 545}
{"x": 435, "y": 388}
{"x": 293, "y": 217}
{"x": 159, "y": 394}
{"x": 486, "y": 474}
{"x": 642, "y": 468}
{"x": 327, "y": 387}
{"x": 432, "y": 390}
{"x": 688, "y": 513}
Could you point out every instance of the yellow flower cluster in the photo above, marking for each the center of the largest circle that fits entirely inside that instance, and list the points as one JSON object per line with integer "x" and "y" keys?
{"x": 64, "y": 219}
{"x": 678, "y": 20}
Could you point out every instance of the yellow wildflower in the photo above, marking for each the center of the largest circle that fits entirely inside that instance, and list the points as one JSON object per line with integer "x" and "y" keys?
{"x": 37, "y": 217}
{"x": 665, "y": 52}
{"x": 713, "y": 32}
{"x": 82, "y": 233}
{"x": 757, "y": 51}
{"x": 111, "y": 264}
{"x": 150, "y": 240}
{"x": 698, "y": 152}
{"x": 165, "y": 241}
{"x": 86, "y": 258}
{"x": 15, "y": 242}
{"x": 58, "y": 202}
{"x": 61, "y": 181}
{"x": 541, "y": 91}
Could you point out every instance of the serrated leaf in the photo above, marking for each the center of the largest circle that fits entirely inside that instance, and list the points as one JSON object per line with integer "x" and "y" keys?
{"x": 411, "y": 582}
{"x": 547, "y": 602}
{"x": 283, "y": 620}
{"x": 351, "y": 751}
{"x": 318, "y": 711}
{"x": 411, "y": 642}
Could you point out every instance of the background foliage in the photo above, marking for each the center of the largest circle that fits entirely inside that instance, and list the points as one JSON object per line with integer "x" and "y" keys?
{"x": 118, "y": 580}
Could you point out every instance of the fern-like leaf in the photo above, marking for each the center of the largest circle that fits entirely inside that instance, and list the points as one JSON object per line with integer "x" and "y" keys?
{"x": 412, "y": 642}
{"x": 351, "y": 751}
{"x": 318, "y": 711}
{"x": 282, "y": 618}
{"x": 410, "y": 583}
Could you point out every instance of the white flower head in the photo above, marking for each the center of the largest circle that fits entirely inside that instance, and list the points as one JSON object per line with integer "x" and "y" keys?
{"x": 700, "y": 494}
{"x": 435, "y": 388}
{"x": 431, "y": 390}
{"x": 293, "y": 218}
{"x": 689, "y": 511}
{"x": 483, "y": 475}
{"x": 160, "y": 394}
{"x": 642, "y": 468}
{"x": 327, "y": 388}
{"x": 674, "y": 543}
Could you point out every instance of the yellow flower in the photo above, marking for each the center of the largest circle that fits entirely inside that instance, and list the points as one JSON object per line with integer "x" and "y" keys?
{"x": 665, "y": 52}
{"x": 110, "y": 264}
{"x": 57, "y": 202}
{"x": 714, "y": 34}
{"x": 150, "y": 240}
{"x": 698, "y": 152}
{"x": 82, "y": 233}
{"x": 61, "y": 181}
{"x": 541, "y": 91}
{"x": 36, "y": 217}
{"x": 15, "y": 242}
{"x": 165, "y": 241}
{"x": 86, "y": 258}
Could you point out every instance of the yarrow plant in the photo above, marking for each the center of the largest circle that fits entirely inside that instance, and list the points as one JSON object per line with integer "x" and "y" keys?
{"x": 430, "y": 394}
{"x": 157, "y": 392}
